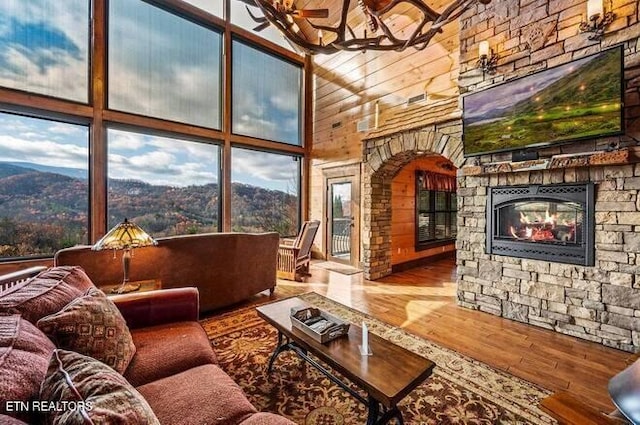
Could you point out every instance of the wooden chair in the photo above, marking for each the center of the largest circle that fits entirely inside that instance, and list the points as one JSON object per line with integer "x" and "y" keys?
{"x": 294, "y": 257}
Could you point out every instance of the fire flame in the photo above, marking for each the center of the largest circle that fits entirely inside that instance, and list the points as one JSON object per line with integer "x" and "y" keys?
{"x": 542, "y": 229}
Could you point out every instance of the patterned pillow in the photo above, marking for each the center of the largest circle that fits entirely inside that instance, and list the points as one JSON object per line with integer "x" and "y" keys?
{"x": 92, "y": 325}
{"x": 94, "y": 393}
{"x": 24, "y": 358}
{"x": 46, "y": 293}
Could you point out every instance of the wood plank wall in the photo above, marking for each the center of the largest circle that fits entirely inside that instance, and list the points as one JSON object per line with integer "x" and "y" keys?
{"x": 348, "y": 85}
{"x": 403, "y": 210}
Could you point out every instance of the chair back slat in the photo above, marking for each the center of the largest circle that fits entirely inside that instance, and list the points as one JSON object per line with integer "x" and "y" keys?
{"x": 306, "y": 236}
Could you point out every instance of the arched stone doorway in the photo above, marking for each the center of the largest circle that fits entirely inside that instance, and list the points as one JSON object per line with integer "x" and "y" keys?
{"x": 383, "y": 158}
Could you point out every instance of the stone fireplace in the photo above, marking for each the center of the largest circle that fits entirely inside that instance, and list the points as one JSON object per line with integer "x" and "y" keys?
{"x": 542, "y": 222}
{"x": 595, "y": 295}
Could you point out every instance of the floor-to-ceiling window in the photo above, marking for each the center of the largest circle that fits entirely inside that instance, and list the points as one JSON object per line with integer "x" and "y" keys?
{"x": 265, "y": 193}
{"x": 44, "y": 185}
{"x": 114, "y": 109}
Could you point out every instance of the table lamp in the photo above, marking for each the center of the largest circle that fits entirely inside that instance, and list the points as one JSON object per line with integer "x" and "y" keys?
{"x": 125, "y": 236}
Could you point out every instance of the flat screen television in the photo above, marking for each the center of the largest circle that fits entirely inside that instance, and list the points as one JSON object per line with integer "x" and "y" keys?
{"x": 582, "y": 99}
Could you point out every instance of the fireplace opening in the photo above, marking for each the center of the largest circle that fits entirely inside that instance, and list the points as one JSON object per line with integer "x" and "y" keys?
{"x": 550, "y": 222}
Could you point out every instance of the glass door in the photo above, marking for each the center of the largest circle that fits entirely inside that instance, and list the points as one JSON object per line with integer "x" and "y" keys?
{"x": 341, "y": 212}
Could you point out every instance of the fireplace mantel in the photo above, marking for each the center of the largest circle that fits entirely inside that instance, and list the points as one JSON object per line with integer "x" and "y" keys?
{"x": 585, "y": 159}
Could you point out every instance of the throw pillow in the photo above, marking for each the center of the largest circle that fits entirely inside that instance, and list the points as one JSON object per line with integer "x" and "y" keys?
{"x": 24, "y": 358}
{"x": 46, "y": 293}
{"x": 92, "y": 325}
{"x": 86, "y": 391}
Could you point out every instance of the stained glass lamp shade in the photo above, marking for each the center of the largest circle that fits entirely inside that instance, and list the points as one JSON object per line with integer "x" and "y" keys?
{"x": 125, "y": 236}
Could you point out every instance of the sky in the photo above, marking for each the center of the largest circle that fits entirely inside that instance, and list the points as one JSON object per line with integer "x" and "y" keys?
{"x": 151, "y": 159}
{"x": 171, "y": 69}
{"x": 44, "y": 47}
{"x": 510, "y": 93}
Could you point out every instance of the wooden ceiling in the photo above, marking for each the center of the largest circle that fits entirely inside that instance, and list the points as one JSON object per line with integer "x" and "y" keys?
{"x": 349, "y": 85}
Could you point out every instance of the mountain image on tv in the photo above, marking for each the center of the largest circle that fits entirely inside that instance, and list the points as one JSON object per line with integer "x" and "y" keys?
{"x": 577, "y": 100}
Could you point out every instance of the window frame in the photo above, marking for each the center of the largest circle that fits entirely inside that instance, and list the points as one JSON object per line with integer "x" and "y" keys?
{"x": 98, "y": 117}
{"x": 301, "y": 162}
{"x": 235, "y": 38}
{"x": 64, "y": 119}
{"x": 178, "y": 13}
{"x": 89, "y": 69}
{"x": 449, "y": 223}
{"x": 144, "y": 131}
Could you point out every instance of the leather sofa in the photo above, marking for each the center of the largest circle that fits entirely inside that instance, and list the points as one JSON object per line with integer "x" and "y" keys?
{"x": 174, "y": 367}
{"x": 225, "y": 267}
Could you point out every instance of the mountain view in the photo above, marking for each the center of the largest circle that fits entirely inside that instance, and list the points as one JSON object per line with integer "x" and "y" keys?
{"x": 570, "y": 102}
{"x": 43, "y": 209}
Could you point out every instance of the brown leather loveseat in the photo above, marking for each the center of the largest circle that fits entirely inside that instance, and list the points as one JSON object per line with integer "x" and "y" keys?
{"x": 225, "y": 267}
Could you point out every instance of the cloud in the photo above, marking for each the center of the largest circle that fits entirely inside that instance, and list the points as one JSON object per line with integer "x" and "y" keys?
{"x": 161, "y": 160}
{"x": 45, "y": 47}
{"x": 264, "y": 169}
{"x": 45, "y": 152}
{"x": 266, "y": 102}
{"x": 170, "y": 69}
{"x": 64, "y": 129}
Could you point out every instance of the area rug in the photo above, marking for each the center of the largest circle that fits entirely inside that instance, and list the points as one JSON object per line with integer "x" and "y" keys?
{"x": 335, "y": 267}
{"x": 460, "y": 391}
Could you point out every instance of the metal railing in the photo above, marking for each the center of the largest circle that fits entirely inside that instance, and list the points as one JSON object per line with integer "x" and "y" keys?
{"x": 341, "y": 237}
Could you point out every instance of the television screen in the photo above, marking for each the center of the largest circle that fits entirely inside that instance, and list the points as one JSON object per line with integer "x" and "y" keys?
{"x": 578, "y": 100}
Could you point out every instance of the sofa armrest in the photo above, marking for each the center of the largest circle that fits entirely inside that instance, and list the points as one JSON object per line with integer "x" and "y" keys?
{"x": 151, "y": 308}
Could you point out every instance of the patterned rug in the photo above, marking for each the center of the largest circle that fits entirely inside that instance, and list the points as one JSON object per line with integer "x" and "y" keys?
{"x": 460, "y": 391}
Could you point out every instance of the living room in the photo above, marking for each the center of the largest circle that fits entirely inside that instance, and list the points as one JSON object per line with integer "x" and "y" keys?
{"x": 191, "y": 118}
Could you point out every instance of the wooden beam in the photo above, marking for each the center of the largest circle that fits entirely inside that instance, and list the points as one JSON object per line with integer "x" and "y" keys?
{"x": 226, "y": 127}
{"x": 97, "y": 135}
{"x": 16, "y": 101}
{"x": 161, "y": 127}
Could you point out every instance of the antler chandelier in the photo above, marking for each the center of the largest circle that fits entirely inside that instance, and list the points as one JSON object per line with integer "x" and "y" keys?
{"x": 377, "y": 36}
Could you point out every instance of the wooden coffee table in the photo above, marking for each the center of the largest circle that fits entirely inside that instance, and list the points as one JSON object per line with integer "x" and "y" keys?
{"x": 387, "y": 376}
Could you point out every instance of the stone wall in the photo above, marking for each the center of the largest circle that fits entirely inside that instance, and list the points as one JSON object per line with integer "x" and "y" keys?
{"x": 383, "y": 157}
{"x": 600, "y": 303}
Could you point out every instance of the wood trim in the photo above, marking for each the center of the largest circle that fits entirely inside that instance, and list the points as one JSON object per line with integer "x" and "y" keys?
{"x": 21, "y": 264}
{"x": 191, "y": 12}
{"x": 407, "y": 265}
{"x": 15, "y": 101}
{"x": 307, "y": 143}
{"x": 159, "y": 126}
{"x": 226, "y": 125}
{"x": 248, "y": 141}
{"x": 97, "y": 135}
{"x": 352, "y": 173}
{"x": 250, "y": 37}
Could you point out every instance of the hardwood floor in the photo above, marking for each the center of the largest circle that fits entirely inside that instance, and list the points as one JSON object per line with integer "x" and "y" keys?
{"x": 423, "y": 302}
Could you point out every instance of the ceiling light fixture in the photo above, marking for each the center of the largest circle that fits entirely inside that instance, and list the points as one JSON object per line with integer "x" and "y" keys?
{"x": 377, "y": 35}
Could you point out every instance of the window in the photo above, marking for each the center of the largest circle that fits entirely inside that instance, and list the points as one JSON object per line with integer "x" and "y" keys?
{"x": 436, "y": 206}
{"x": 265, "y": 192}
{"x": 44, "y": 191}
{"x": 162, "y": 65}
{"x": 241, "y": 18}
{"x": 266, "y": 95}
{"x": 167, "y": 186}
{"x": 212, "y": 6}
{"x": 44, "y": 47}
